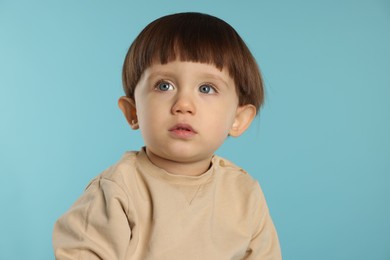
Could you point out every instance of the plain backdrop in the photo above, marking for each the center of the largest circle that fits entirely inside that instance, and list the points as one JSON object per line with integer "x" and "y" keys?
{"x": 320, "y": 147}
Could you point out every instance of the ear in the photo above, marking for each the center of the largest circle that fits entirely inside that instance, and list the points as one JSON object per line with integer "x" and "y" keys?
{"x": 127, "y": 105}
{"x": 244, "y": 117}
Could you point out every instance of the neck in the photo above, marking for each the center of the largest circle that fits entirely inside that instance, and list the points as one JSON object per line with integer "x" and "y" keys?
{"x": 190, "y": 168}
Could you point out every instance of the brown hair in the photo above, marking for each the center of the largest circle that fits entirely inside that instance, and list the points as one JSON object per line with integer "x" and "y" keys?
{"x": 195, "y": 37}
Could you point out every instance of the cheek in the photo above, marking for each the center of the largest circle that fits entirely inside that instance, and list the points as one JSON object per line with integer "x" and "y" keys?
{"x": 145, "y": 117}
{"x": 150, "y": 118}
{"x": 227, "y": 114}
{"x": 222, "y": 124}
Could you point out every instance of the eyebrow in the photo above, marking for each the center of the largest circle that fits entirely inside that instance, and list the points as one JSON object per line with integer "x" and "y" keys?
{"x": 212, "y": 76}
{"x": 160, "y": 73}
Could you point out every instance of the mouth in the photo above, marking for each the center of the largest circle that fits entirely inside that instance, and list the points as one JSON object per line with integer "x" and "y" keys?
{"x": 182, "y": 127}
{"x": 182, "y": 131}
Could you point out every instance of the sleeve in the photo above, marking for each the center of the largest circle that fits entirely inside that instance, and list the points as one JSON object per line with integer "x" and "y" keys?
{"x": 96, "y": 226}
{"x": 264, "y": 243}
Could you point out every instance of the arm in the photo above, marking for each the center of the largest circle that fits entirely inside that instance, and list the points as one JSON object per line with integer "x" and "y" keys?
{"x": 264, "y": 243}
{"x": 96, "y": 226}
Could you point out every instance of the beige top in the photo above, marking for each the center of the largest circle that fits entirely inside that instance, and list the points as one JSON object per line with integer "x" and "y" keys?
{"x": 135, "y": 210}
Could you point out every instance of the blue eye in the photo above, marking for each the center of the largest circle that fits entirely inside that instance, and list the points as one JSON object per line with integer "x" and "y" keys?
{"x": 164, "y": 86}
{"x": 207, "y": 89}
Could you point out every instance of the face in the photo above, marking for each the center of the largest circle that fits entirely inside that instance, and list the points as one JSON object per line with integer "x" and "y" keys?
{"x": 185, "y": 111}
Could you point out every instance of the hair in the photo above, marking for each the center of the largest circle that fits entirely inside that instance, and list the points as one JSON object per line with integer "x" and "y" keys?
{"x": 195, "y": 37}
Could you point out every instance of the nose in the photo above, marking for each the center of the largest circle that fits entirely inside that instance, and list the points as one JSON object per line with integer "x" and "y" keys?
{"x": 184, "y": 104}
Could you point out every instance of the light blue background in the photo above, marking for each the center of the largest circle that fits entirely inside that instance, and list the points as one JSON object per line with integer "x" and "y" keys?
{"x": 320, "y": 149}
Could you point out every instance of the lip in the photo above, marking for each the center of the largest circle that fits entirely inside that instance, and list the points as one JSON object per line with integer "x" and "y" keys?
{"x": 182, "y": 131}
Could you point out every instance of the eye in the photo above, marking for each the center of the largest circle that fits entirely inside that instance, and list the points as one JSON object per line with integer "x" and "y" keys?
{"x": 207, "y": 89}
{"x": 164, "y": 86}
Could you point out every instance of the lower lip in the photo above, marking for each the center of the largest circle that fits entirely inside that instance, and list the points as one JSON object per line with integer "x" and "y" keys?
{"x": 182, "y": 134}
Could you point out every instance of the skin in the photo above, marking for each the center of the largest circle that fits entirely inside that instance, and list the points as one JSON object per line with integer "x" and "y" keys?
{"x": 185, "y": 111}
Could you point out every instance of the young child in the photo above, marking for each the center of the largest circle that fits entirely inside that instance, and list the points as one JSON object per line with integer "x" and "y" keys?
{"x": 190, "y": 82}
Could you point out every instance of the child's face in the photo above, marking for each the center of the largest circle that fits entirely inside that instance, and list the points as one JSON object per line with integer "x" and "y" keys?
{"x": 185, "y": 110}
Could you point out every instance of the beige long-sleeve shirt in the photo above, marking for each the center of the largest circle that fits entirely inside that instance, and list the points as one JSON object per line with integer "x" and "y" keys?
{"x": 135, "y": 210}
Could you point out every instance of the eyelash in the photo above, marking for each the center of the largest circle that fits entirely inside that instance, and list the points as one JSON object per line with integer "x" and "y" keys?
{"x": 213, "y": 89}
{"x": 158, "y": 84}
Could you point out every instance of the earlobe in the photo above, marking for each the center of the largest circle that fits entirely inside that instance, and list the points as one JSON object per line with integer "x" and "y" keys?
{"x": 244, "y": 117}
{"x": 127, "y": 105}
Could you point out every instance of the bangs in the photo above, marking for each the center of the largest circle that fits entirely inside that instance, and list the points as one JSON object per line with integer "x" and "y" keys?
{"x": 193, "y": 37}
{"x": 196, "y": 40}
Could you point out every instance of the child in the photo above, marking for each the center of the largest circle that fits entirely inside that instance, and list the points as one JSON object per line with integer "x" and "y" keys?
{"x": 190, "y": 82}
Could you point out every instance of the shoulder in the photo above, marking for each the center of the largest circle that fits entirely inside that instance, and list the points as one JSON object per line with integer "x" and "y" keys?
{"x": 122, "y": 167}
{"x": 234, "y": 177}
{"x": 228, "y": 169}
{"x": 118, "y": 174}
{"x": 238, "y": 189}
